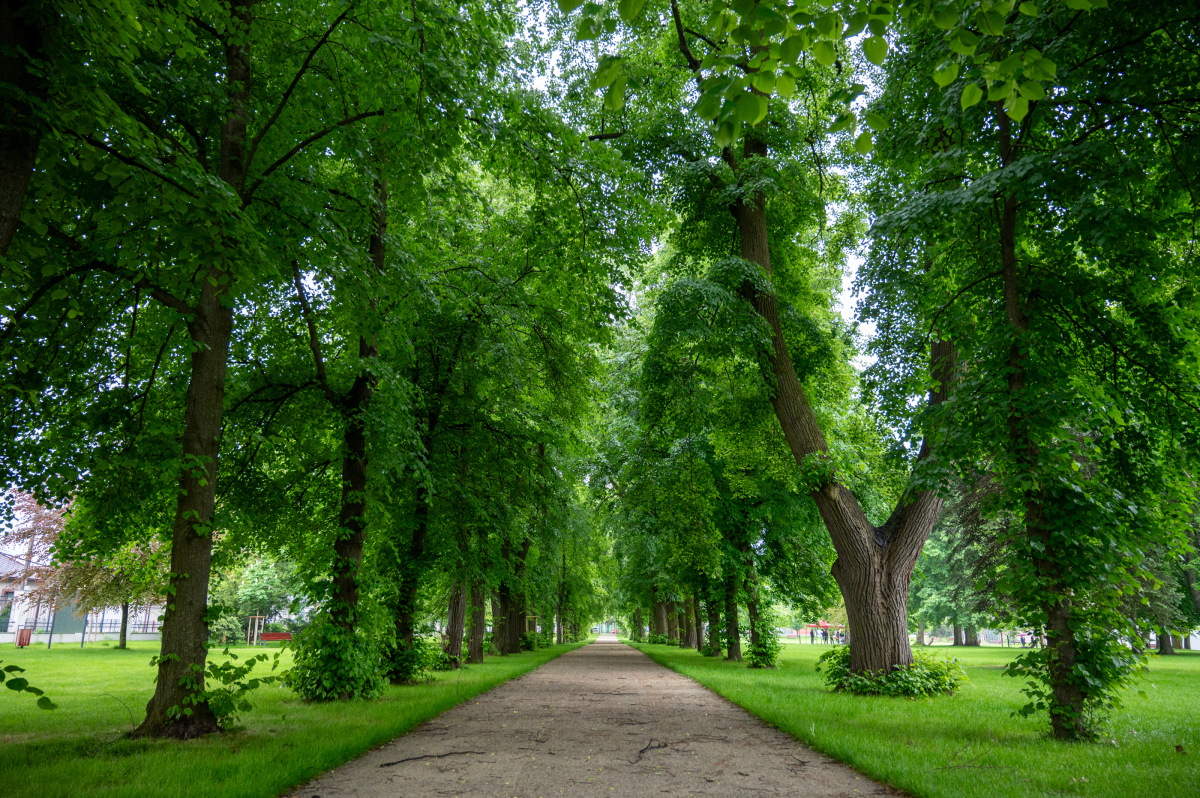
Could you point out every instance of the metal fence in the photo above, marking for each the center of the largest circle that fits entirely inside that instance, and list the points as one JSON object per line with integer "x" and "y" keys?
{"x": 108, "y": 626}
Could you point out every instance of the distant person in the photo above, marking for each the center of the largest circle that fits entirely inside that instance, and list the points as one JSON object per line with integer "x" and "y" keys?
{"x": 812, "y": 637}
{"x": 1022, "y": 636}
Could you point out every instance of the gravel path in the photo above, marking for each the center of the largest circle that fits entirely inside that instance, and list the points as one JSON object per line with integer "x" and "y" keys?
{"x": 604, "y": 720}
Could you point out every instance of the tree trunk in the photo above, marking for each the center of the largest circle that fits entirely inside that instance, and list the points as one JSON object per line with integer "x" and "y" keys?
{"x": 121, "y": 640}
{"x": 696, "y": 613}
{"x": 184, "y": 651}
{"x": 920, "y": 633}
{"x": 455, "y": 624}
{"x": 957, "y": 634}
{"x": 873, "y": 565}
{"x": 23, "y": 24}
{"x": 516, "y": 604}
{"x": 751, "y": 588}
{"x": 499, "y": 618}
{"x": 562, "y": 598}
{"x": 972, "y": 636}
{"x": 689, "y": 624}
{"x": 1166, "y": 646}
{"x": 410, "y": 582}
{"x": 478, "y": 622}
{"x": 672, "y": 624}
{"x": 714, "y": 626}
{"x": 733, "y": 642}
{"x": 1189, "y": 576}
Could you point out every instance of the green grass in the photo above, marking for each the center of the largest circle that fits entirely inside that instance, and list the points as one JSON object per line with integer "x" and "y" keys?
{"x": 81, "y": 748}
{"x": 970, "y": 744}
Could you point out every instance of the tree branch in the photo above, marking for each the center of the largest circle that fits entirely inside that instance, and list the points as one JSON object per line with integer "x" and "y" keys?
{"x": 314, "y": 342}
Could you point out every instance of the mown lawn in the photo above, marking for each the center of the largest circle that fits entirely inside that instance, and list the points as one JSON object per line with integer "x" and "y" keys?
{"x": 81, "y": 748}
{"x": 970, "y": 744}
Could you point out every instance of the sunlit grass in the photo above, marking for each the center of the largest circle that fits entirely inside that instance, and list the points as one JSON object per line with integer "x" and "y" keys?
{"x": 971, "y": 744}
{"x": 81, "y": 748}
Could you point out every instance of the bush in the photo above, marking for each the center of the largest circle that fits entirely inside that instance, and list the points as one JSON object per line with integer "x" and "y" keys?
{"x": 766, "y": 653}
{"x": 657, "y": 639}
{"x": 925, "y": 677}
{"x": 529, "y": 641}
{"x": 414, "y": 665}
{"x": 332, "y": 663}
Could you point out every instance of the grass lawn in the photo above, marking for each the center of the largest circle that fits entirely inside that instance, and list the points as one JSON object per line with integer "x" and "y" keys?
{"x": 81, "y": 749}
{"x": 970, "y": 744}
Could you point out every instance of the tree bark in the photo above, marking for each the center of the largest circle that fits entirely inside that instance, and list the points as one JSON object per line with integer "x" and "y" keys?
{"x": 696, "y": 613}
{"x": 672, "y": 622}
{"x": 972, "y": 636}
{"x": 637, "y": 625}
{"x": 562, "y": 598}
{"x": 920, "y": 633}
{"x": 751, "y": 587}
{"x": 499, "y": 617}
{"x": 958, "y": 634}
{"x": 1166, "y": 645}
{"x": 24, "y": 26}
{"x": 689, "y": 624}
{"x": 410, "y": 580}
{"x": 478, "y": 622}
{"x": 122, "y": 638}
{"x": 456, "y": 624}
{"x": 733, "y": 642}
{"x": 714, "y": 625}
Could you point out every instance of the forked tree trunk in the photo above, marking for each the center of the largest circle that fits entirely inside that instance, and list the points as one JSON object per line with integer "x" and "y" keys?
{"x": 873, "y": 565}
{"x": 123, "y": 636}
{"x": 733, "y": 641}
{"x": 478, "y": 615}
{"x": 456, "y": 617}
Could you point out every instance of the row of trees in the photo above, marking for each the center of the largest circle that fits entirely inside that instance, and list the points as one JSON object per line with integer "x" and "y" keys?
{"x": 314, "y": 283}
{"x": 1031, "y": 273}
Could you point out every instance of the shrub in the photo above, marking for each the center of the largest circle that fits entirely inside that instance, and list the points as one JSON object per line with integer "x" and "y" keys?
{"x": 414, "y": 665}
{"x": 332, "y": 663}
{"x": 657, "y": 639}
{"x": 766, "y": 653}
{"x": 925, "y": 677}
{"x": 529, "y": 641}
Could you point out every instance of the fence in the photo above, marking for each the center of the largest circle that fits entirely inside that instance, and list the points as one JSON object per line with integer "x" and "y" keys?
{"x": 141, "y": 626}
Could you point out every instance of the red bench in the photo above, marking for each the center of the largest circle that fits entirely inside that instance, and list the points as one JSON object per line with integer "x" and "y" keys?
{"x": 274, "y": 637}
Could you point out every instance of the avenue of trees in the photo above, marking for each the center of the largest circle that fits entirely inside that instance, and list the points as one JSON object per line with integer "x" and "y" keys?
{"x": 475, "y": 311}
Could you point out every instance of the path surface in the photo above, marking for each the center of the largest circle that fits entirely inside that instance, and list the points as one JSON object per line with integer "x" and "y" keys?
{"x": 603, "y": 720}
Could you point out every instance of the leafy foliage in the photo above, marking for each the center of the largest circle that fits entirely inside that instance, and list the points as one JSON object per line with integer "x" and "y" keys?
{"x": 926, "y": 677}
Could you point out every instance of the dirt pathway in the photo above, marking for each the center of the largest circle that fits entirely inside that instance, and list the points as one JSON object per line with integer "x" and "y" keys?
{"x": 604, "y": 720}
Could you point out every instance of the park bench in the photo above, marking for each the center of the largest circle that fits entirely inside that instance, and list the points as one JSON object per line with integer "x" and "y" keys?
{"x": 272, "y": 637}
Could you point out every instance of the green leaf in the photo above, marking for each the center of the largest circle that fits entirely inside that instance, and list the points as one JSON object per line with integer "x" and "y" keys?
{"x": 1079, "y": 5}
{"x": 829, "y": 25}
{"x": 945, "y": 18}
{"x": 785, "y": 86}
{"x": 708, "y": 107}
{"x": 875, "y": 49}
{"x": 763, "y": 81}
{"x": 824, "y": 52}
{"x": 724, "y": 135}
{"x": 1000, "y": 91}
{"x": 864, "y": 143}
{"x": 629, "y": 9}
{"x": 877, "y": 122}
{"x": 791, "y": 48}
{"x": 991, "y": 21}
{"x": 1032, "y": 90}
{"x": 846, "y": 121}
{"x": 751, "y": 108}
{"x": 945, "y": 74}
{"x": 614, "y": 98}
{"x": 1017, "y": 107}
{"x": 1028, "y": 9}
{"x": 567, "y": 6}
{"x": 607, "y": 71}
{"x": 964, "y": 42}
{"x": 855, "y": 25}
{"x": 971, "y": 94}
{"x": 18, "y": 684}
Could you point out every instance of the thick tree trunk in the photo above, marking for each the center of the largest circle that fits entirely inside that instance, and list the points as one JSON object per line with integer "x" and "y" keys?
{"x": 1166, "y": 645}
{"x": 920, "y": 633}
{"x": 972, "y": 636}
{"x": 958, "y": 634}
{"x": 733, "y": 641}
{"x": 122, "y": 638}
{"x": 456, "y": 617}
{"x": 873, "y": 565}
{"x": 23, "y": 28}
{"x": 478, "y": 622}
{"x": 660, "y": 618}
{"x": 672, "y": 623}
{"x": 410, "y": 581}
{"x": 184, "y": 650}
{"x": 516, "y": 604}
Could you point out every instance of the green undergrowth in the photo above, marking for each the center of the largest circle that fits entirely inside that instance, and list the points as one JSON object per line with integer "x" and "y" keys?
{"x": 970, "y": 744}
{"x": 81, "y": 748}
